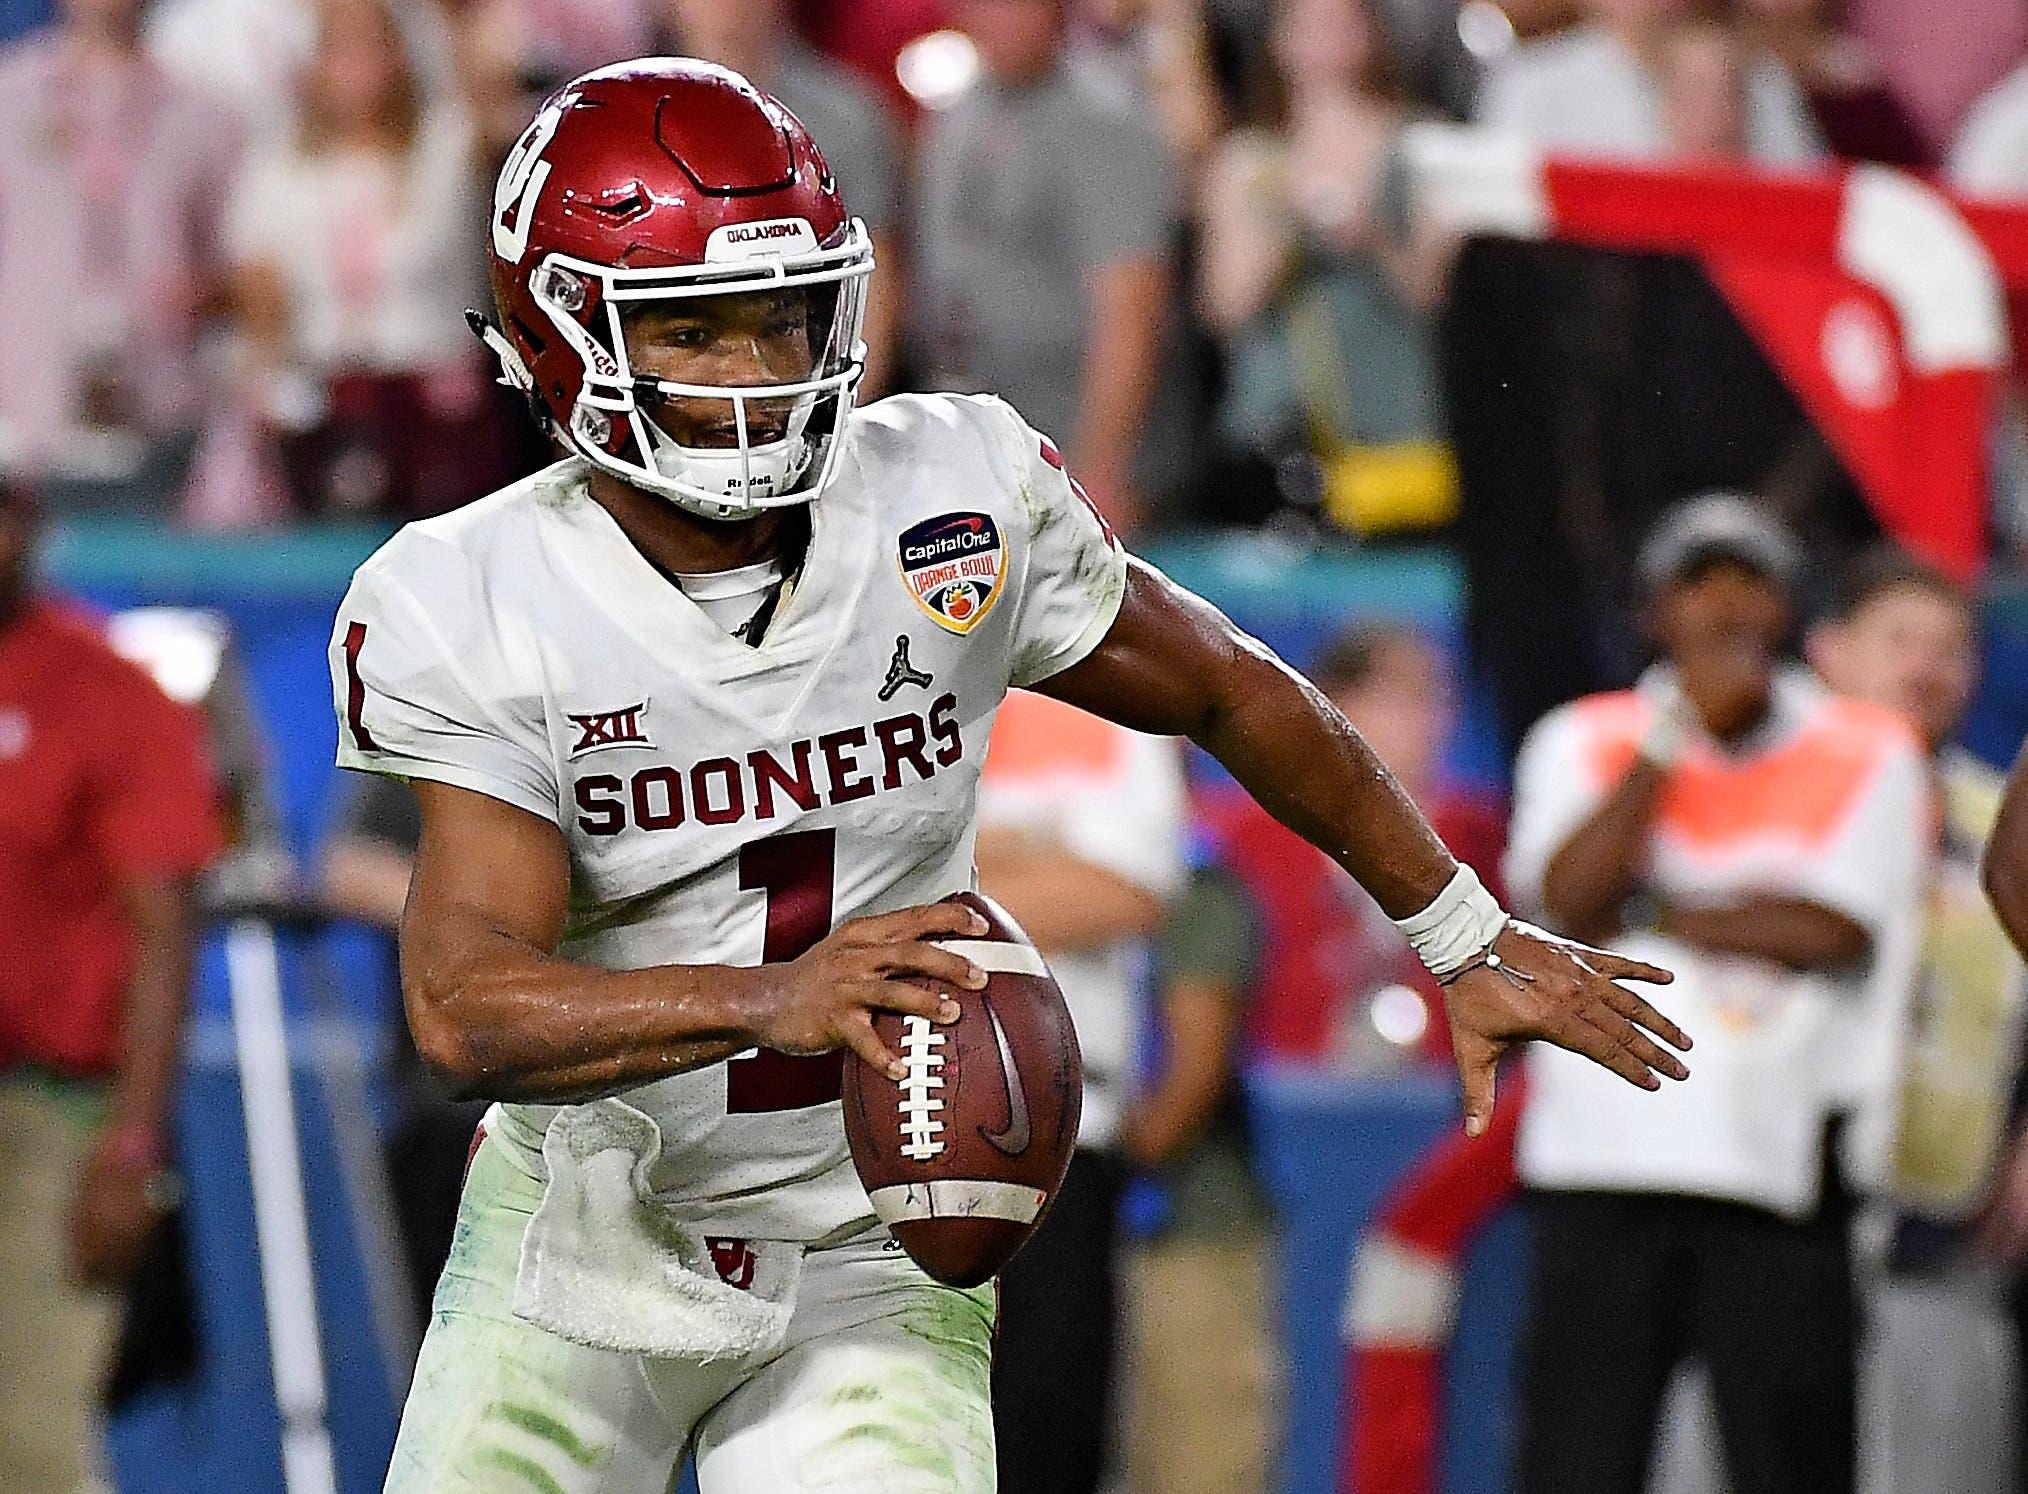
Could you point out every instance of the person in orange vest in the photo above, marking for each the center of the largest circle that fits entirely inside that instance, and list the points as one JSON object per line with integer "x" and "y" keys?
{"x": 1770, "y": 842}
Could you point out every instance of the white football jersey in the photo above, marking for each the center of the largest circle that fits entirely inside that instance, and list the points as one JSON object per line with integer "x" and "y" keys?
{"x": 726, "y": 804}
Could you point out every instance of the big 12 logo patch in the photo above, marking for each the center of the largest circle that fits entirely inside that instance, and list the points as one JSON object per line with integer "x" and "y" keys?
{"x": 955, "y": 566}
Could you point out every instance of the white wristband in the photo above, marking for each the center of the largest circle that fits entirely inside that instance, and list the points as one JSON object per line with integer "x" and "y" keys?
{"x": 1460, "y": 924}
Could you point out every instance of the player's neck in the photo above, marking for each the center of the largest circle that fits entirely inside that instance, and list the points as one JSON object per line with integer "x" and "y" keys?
{"x": 681, "y": 543}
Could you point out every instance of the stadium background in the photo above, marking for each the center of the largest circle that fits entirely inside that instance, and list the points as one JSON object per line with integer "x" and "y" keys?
{"x": 1330, "y": 1147}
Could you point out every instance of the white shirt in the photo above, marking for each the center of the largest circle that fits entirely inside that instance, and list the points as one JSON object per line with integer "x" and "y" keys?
{"x": 379, "y": 257}
{"x": 731, "y": 598}
{"x": 721, "y": 803}
{"x": 253, "y": 52}
{"x": 1582, "y": 92}
{"x": 1828, "y": 802}
{"x": 1115, "y": 798}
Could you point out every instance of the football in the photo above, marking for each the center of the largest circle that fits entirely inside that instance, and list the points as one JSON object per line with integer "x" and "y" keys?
{"x": 964, "y": 1155}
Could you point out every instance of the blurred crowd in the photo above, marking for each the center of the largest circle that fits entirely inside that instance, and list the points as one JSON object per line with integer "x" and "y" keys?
{"x": 237, "y": 242}
{"x": 237, "y": 236}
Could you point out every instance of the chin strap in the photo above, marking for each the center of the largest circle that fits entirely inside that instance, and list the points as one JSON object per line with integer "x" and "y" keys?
{"x": 514, "y": 373}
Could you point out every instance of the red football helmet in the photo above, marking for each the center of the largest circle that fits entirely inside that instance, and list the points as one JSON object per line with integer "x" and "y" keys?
{"x": 659, "y": 182}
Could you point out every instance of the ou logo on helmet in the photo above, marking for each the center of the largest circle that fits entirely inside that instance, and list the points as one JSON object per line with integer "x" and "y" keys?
{"x": 520, "y": 184}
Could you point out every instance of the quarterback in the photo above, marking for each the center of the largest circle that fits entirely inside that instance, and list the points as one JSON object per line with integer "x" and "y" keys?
{"x": 695, "y": 718}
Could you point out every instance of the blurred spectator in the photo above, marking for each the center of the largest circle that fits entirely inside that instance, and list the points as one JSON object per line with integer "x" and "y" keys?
{"x": 1042, "y": 234}
{"x": 2005, "y": 871}
{"x": 512, "y": 54}
{"x": 1081, "y": 838}
{"x": 1401, "y": 1301}
{"x": 1160, "y": 52}
{"x": 364, "y": 874}
{"x": 1317, "y": 278}
{"x": 1204, "y": 1356}
{"x": 552, "y": 41}
{"x": 257, "y": 53}
{"x": 851, "y": 124}
{"x": 356, "y": 241}
{"x": 1338, "y": 982}
{"x": 111, "y": 176}
{"x": 1842, "y": 80}
{"x": 2005, "y": 1228}
{"x": 249, "y": 52}
{"x": 1903, "y": 636}
{"x": 1939, "y": 58}
{"x": 1701, "y": 75}
{"x": 1160, "y": 49}
{"x": 107, "y": 815}
{"x": 1991, "y": 153}
{"x": 1733, "y": 822}
{"x": 1593, "y": 89}
{"x": 868, "y": 36}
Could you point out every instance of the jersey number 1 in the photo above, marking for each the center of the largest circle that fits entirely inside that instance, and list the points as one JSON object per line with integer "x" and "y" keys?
{"x": 355, "y": 688}
{"x": 795, "y": 871}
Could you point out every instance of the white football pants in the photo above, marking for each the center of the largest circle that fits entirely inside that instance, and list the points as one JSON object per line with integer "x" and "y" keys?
{"x": 883, "y": 1385}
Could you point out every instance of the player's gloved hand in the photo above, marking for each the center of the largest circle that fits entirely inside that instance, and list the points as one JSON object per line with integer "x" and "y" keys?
{"x": 1532, "y": 985}
{"x": 827, "y": 998}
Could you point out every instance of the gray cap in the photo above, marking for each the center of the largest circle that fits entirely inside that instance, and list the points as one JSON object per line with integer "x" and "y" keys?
{"x": 1714, "y": 526}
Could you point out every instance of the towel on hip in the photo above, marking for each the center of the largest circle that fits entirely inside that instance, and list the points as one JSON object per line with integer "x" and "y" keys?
{"x": 603, "y": 1265}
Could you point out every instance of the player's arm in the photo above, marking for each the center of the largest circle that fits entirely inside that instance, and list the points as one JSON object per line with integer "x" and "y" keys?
{"x": 1599, "y": 867}
{"x": 1171, "y": 663}
{"x": 497, "y": 1014}
{"x": 113, "y": 1213}
{"x": 1602, "y": 864}
{"x": 1792, "y": 931}
{"x": 2006, "y": 863}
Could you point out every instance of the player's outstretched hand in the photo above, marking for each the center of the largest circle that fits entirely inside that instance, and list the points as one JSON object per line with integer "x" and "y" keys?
{"x": 827, "y": 998}
{"x": 1532, "y": 984}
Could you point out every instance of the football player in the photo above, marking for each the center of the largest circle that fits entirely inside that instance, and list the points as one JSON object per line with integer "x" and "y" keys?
{"x": 695, "y": 720}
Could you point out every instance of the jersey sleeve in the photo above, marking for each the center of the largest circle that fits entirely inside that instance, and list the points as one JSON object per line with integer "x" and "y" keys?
{"x": 431, "y": 692}
{"x": 1073, "y": 570}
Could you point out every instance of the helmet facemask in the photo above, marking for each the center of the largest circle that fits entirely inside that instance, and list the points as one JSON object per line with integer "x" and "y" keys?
{"x": 657, "y": 345}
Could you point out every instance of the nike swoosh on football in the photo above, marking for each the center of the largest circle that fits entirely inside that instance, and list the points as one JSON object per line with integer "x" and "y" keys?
{"x": 1012, "y": 1141}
